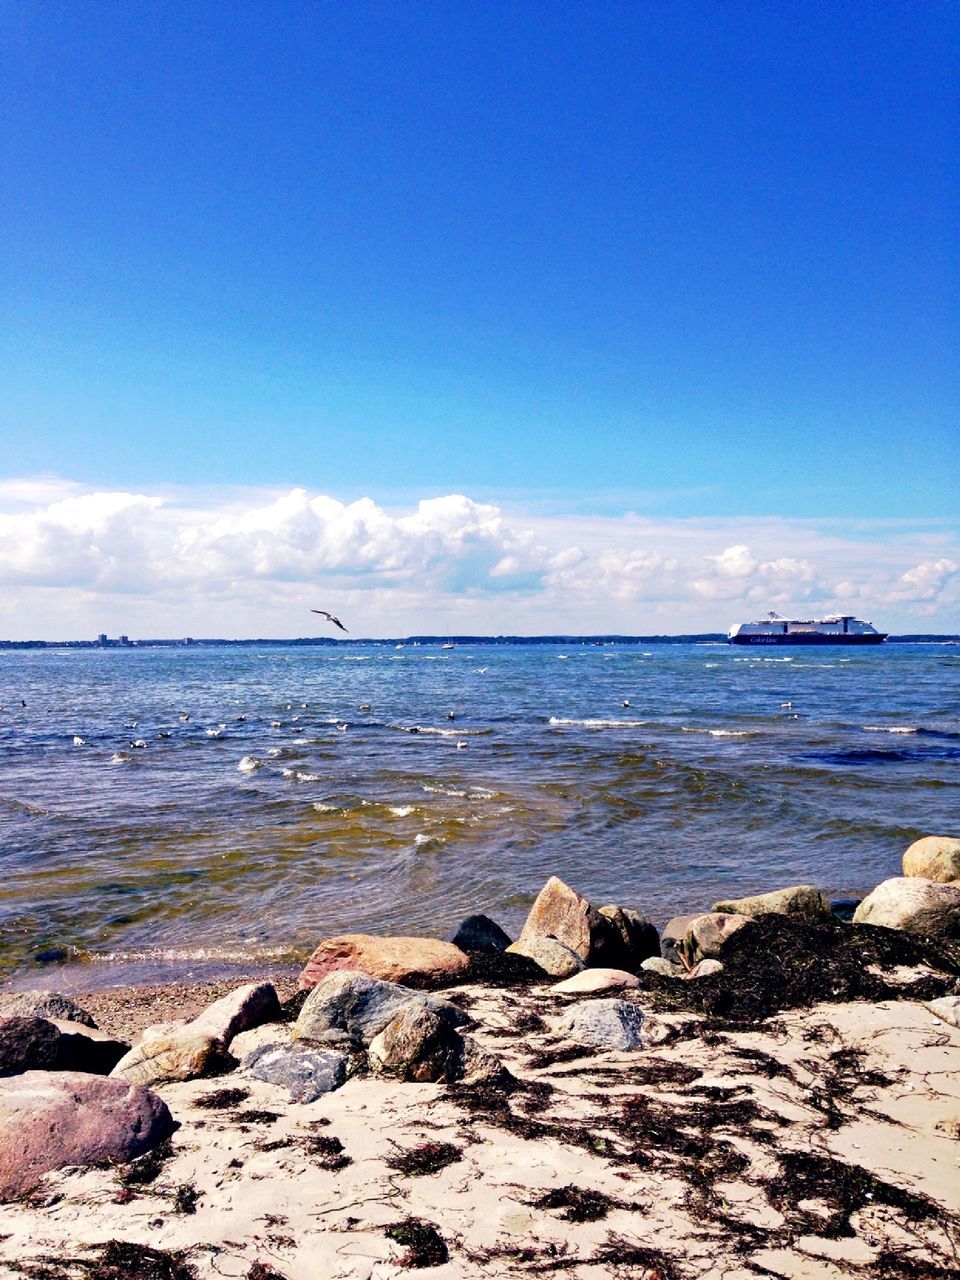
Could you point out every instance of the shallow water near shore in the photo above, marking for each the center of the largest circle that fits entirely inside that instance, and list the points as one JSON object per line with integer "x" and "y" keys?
{"x": 284, "y": 794}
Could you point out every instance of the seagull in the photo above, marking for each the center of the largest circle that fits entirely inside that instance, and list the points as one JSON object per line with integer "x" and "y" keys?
{"x": 330, "y": 618}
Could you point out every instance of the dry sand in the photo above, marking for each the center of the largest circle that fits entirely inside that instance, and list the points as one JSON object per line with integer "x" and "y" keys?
{"x": 823, "y": 1144}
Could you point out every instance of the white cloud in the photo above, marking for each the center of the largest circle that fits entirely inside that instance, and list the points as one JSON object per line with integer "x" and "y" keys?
{"x": 73, "y": 562}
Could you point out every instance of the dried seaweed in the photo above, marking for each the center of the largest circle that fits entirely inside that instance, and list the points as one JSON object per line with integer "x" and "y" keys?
{"x": 423, "y": 1242}
{"x": 429, "y": 1157}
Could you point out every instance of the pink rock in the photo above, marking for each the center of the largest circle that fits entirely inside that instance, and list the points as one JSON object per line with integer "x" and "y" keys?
{"x": 562, "y": 913}
{"x": 390, "y": 959}
{"x": 596, "y": 980}
{"x": 52, "y": 1120}
{"x": 709, "y": 934}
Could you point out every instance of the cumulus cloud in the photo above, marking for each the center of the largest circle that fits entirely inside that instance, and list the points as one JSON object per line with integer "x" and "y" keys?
{"x": 157, "y": 564}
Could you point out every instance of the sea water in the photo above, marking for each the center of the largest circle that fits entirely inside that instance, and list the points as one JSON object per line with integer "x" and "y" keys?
{"x": 172, "y": 813}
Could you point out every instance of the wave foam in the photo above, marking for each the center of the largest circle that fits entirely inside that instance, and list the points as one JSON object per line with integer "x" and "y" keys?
{"x": 889, "y": 728}
{"x": 596, "y": 724}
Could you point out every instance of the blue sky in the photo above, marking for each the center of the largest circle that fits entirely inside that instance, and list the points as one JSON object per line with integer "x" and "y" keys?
{"x": 682, "y": 262}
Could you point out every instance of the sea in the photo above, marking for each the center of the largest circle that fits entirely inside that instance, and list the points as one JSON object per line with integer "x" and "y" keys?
{"x": 169, "y": 814}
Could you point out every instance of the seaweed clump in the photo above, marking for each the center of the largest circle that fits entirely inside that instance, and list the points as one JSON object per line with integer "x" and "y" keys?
{"x": 778, "y": 963}
{"x": 115, "y": 1260}
{"x": 429, "y": 1157}
{"x": 424, "y": 1244}
{"x": 576, "y": 1204}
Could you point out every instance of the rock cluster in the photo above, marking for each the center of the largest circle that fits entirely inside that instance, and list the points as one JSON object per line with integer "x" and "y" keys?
{"x": 71, "y": 1095}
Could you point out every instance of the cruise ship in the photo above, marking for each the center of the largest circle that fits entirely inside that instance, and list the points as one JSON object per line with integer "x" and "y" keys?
{"x": 838, "y": 628}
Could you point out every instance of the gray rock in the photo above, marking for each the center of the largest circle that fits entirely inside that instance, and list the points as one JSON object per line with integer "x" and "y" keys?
{"x": 552, "y": 956}
{"x": 49, "y": 1121}
{"x": 306, "y": 1073}
{"x": 28, "y": 1044}
{"x": 43, "y": 1004}
{"x": 603, "y": 1024}
{"x": 480, "y": 933}
{"x": 358, "y": 1007}
{"x": 913, "y": 905}
{"x": 802, "y": 901}
{"x": 638, "y": 937}
{"x": 666, "y": 968}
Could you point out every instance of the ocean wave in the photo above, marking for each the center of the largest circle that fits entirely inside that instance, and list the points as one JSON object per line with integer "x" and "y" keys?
{"x": 249, "y": 764}
{"x": 561, "y": 722}
{"x": 300, "y": 775}
{"x": 439, "y": 732}
{"x": 889, "y": 728}
{"x": 718, "y": 733}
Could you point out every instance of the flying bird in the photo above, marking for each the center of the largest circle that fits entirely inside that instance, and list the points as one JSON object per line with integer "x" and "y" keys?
{"x": 330, "y": 618}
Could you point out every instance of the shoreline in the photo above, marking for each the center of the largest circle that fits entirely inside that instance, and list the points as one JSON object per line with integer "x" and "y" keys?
{"x": 788, "y": 1109}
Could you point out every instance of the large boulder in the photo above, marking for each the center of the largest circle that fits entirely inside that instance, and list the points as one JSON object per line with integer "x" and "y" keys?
{"x": 561, "y": 913}
{"x": 637, "y": 935}
{"x": 708, "y": 935}
{"x": 182, "y": 1055}
{"x": 480, "y": 933}
{"x": 417, "y": 960}
{"x": 947, "y": 1009}
{"x": 305, "y": 1073}
{"x": 28, "y": 1044}
{"x": 52, "y": 1121}
{"x": 603, "y": 1024}
{"x": 913, "y": 905}
{"x": 417, "y": 1044}
{"x": 351, "y": 1008}
{"x": 933, "y": 858}
{"x": 244, "y": 1008}
{"x": 43, "y": 1004}
{"x": 550, "y": 955}
{"x": 84, "y": 1048}
{"x": 802, "y": 901}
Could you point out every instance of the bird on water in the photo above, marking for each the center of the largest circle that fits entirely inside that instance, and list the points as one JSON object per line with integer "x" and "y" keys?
{"x": 330, "y": 618}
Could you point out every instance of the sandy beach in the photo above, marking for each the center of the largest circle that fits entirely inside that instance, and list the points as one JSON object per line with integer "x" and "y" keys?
{"x": 821, "y": 1142}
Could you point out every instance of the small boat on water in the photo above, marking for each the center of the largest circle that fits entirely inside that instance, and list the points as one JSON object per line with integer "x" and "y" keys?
{"x": 837, "y": 628}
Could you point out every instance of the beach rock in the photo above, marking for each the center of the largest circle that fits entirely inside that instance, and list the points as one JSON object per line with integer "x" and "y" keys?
{"x": 596, "y": 980}
{"x": 603, "y": 1024}
{"x": 947, "y": 1009}
{"x": 933, "y": 858}
{"x": 43, "y": 1004}
{"x": 306, "y": 1073}
{"x": 243, "y": 1044}
{"x": 246, "y": 1007}
{"x": 160, "y": 1030}
{"x": 913, "y": 905}
{"x": 674, "y": 932}
{"x": 183, "y": 1055}
{"x": 28, "y": 1044}
{"x": 666, "y": 968}
{"x": 565, "y": 915}
{"x": 480, "y": 1067}
{"x": 704, "y": 968}
{"x": 708, "y": 934}
{"x": 552, "y": 956}
{"x": 480, "y": 933}
{"x": 417, "y": 1044}
{"x": 638, "y": 937}
{"x": 803, "y": 901}
{"x": 359, "y": 1007}
{"x": 84, "y": 1048}
{"x": 52, "y": 1121}
{"x": 390, "y": 959}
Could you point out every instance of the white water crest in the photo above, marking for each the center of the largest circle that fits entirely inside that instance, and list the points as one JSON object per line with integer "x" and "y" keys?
{"x": 889, "y": 728}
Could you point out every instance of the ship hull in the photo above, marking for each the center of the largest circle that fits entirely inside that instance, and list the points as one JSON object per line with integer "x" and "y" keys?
{"x": 807, "y": 639}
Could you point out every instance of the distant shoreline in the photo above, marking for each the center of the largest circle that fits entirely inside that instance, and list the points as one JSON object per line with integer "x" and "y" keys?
{"x": 706, "y": 637}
